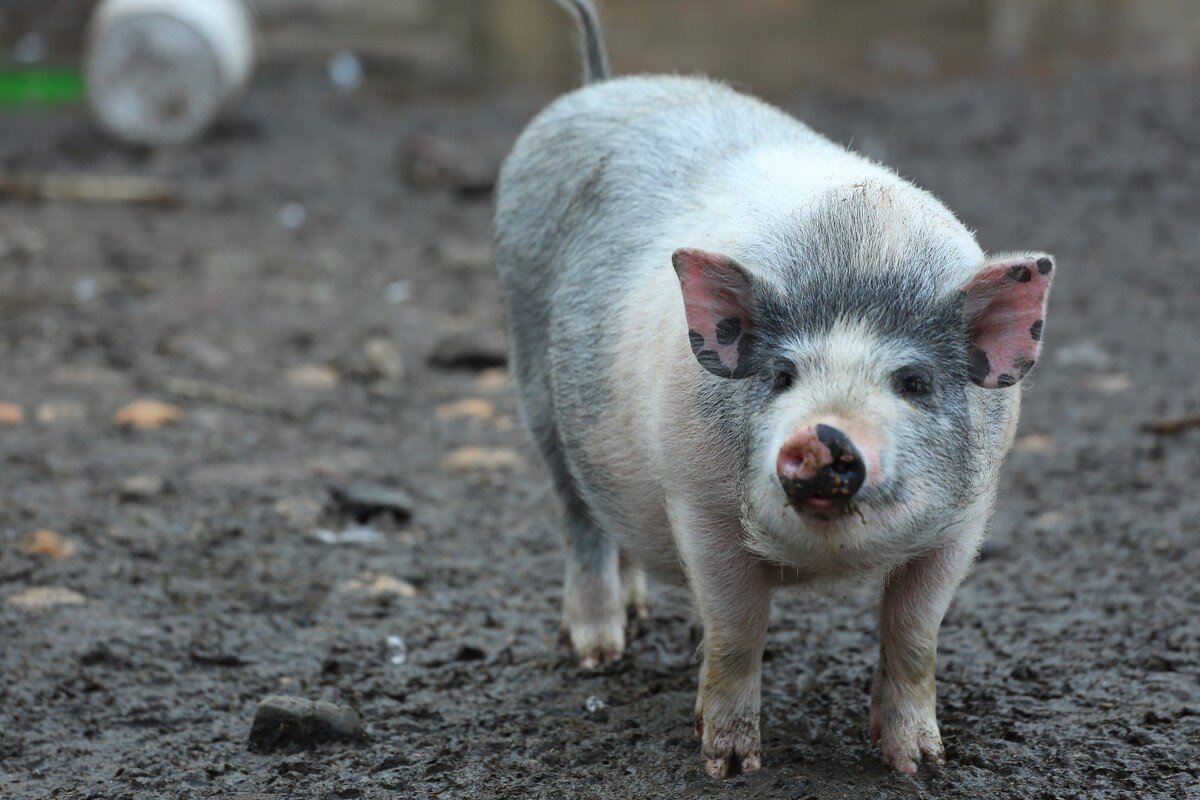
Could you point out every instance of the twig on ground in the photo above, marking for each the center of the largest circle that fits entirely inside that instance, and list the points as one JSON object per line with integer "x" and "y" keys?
{"x": 91, "y": 189}
{"x": 1172, "y": 424}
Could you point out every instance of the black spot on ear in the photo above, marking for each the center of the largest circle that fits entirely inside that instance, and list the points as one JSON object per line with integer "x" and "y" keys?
{"x": 745, "y": 349}
{"x": 980, "y": 366}
{"x": 697, "y": 342}
{"x": 1045, "y": 265}
{"x": 712, "y": 362}
{"x": 1021, "y": 273}
{"x": 1022, "y": 366}
{"x": 728, "y": 330}
{"x": 1004, "y": 380}
{"x": 1035, "y": 330}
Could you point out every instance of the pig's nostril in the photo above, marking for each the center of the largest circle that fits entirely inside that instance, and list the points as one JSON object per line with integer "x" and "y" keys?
{"x": 845, "y": 475}
{"x": 839, "y": 478}
{"x": 845, "y": 465}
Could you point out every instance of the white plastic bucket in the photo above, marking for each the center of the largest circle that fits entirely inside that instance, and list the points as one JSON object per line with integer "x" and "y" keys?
{"x": 161, "y": 72}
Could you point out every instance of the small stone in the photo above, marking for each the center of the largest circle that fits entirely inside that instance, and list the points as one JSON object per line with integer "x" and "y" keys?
{"x": 86, "y": 290}
{"x": 465, "y": 459}
{"x": 293, "y": 215}
{"x": 494, "y": 379}
{"x": 465, "y": 254}
{"x": 470, "y": 652}
{"x": 345, "y": 71}
{"x": 1049, "y": 520}
{"x": 380, "y": 586}
{"x": 384, "y": 357}
{"x": 363, "y": 500}
{"x": 1111, "y": 383}
{"x": 397, "y": 651}
{"x": 284, "y": 720}
{"x": 594, "y": 704}
{"x": 11, "y": 414}
{"x": 42, "y": 598}
{"x": 60, "y": 411}
{"x": 355, "y": 534}
{"x": 45, "y": 542}
{"x": 386, "y": 584}
{"x": 313, "y": 376}
{"x": 469, "y": 351}
{"x": 397, "y": 292}
{"x": 142, "y": 487}
{"x": 474, "y": 407}
{"x": 1038, "y": 443}
{"x": 147, "y": 414}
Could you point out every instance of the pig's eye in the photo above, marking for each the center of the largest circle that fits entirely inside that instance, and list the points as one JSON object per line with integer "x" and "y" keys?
{"x": 912, "y": 382}
{"x": 785, "y": 376}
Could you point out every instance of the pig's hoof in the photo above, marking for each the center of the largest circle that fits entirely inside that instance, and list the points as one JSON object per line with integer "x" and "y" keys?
{"x": 729, "y": 749}
{"x": 905, "y": 747}
{"x": 596, "y": 644}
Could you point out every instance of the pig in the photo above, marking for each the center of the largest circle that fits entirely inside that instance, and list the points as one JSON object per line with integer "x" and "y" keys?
{"x": 751, "y": 358}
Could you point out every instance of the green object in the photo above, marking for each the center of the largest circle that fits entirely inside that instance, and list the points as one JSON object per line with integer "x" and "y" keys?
{"x": 40, "y": 86}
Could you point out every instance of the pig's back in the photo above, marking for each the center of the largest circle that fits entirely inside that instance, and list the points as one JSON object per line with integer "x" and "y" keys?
{"x": 638, "y": 150}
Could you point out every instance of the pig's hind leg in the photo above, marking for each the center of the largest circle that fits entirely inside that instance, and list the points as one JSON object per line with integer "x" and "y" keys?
{"x": 593, "y": 614}
{"x": 593, "y": 602}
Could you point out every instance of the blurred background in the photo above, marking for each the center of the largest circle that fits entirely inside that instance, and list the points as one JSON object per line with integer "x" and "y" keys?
{"x": 258, "y": 436}
{"x": 771, "y": 45}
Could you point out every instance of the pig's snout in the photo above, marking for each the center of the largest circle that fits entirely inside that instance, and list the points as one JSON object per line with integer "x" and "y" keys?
{"x": 820, "y": 469}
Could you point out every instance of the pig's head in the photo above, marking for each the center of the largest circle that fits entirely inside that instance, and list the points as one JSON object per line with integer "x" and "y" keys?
{"x": 859, "y": 383}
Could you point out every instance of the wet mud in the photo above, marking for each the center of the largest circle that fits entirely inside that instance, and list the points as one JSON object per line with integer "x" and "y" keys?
{"x": 316, "y": 322}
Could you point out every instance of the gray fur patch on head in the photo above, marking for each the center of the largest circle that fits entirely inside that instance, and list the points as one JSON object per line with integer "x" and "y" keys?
{"x": 858, "y": 256}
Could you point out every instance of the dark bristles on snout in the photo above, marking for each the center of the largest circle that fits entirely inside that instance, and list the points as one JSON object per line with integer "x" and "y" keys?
{"x": 820, "y": 464}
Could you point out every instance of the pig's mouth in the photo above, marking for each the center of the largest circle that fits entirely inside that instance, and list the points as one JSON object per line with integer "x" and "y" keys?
{"x": 827, "y": 494}
{"x": 824, "y": 508}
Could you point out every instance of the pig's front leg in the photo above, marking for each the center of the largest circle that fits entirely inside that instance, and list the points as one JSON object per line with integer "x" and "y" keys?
{"x": 904, "y": 693}
{"x": 733, "y": 600}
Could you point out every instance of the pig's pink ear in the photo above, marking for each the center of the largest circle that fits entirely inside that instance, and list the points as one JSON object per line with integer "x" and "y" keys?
{"x": 718, "y": 301}
{"x": 1004, "y": 305}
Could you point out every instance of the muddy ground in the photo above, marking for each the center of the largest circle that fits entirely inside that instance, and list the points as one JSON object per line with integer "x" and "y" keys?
{"x": 1070, "y": 662}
